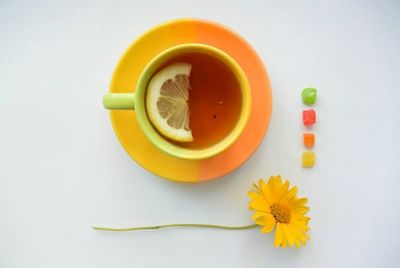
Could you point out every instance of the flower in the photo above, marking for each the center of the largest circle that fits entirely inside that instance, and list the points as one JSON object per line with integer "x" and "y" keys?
{"x": 277, "y": 205}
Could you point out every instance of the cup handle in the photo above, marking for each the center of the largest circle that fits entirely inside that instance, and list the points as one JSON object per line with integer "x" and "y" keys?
{"x": 119, "y": 101}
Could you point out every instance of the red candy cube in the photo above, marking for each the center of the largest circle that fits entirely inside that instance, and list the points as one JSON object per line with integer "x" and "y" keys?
{"x": 309, "y": 117}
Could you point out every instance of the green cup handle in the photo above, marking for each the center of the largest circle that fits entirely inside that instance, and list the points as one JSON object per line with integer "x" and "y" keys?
{"x": 119, "y": 101}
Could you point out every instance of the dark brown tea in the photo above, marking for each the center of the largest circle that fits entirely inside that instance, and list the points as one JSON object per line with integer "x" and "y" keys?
{"x": 215, "y": 99}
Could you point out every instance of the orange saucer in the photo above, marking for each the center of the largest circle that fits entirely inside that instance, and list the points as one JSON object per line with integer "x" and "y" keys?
{"x": 149, "y": 45}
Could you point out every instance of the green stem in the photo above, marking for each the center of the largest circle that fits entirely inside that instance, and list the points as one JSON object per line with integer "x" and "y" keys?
{"x": 176, "y": 225}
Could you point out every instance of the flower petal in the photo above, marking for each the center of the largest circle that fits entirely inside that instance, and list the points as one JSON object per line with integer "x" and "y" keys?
{"x": 288, "y": 234}
{"x": 261, "y": 182}
{"x": 284, "y": 241}
{"x": 276, "y": 187}
{"x": 268, "y": 221}
{"x": 301, "y": 210}
{"x": 296, "y": 232}
{"x": 299, "y": 219}
{"x": 257, "y": 197}
{"x": 258, "y": 214}
{"x": 278, "y": 235}
{"x": 258, "y": 202}
{"x": 266, "y": 191}
{"x": 299, "y": 202}
{"x": 269, "y": 191}
{"x": 301, "y": 226}
{"x": 258, "y": 206}
{"x": 303, "y": 238}
{"x": 291, "y": 194}
{"x": 282, "y": 191}
{"x": 297, "y": 242}
{"x": 300, "y": 232}
{"x": 268, "y": 226}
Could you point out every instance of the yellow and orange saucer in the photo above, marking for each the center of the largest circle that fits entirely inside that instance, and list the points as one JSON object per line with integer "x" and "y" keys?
{"x": 148, "y": 46}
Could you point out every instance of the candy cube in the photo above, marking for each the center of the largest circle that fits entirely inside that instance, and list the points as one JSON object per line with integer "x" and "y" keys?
{"x": 309, "y": 117}
{"x": 308, "y": 159}
{"x": 309, "y": 95}
{"x": 309, "y": 140}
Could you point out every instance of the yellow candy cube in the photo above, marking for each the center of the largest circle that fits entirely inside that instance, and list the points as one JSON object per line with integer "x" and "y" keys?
{"x": 308, "y": 159}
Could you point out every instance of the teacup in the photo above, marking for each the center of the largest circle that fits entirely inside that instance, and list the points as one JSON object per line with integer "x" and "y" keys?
{"x": 219, "y": 101}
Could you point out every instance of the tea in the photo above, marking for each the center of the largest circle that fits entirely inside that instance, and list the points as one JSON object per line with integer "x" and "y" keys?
{"x": 215, "y": 100}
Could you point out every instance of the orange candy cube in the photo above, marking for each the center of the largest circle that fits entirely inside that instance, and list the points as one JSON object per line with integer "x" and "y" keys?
{"x": 309, "y": 140}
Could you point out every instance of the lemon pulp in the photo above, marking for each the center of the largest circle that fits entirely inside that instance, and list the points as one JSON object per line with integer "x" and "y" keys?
{"x": 167, "y": 102}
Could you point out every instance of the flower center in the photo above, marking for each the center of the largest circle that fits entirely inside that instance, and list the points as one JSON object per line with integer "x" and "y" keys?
{"x": 281, "y": 213}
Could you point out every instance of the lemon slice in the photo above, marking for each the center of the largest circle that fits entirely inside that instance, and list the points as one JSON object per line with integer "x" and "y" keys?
{"x": 166, "y": 100}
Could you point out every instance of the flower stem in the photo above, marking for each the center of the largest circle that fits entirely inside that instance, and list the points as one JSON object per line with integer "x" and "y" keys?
{"x": 175, "y": 225}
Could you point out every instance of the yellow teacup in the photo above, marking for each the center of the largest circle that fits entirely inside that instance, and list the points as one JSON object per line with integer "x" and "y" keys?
{"x": 137, "y": 101}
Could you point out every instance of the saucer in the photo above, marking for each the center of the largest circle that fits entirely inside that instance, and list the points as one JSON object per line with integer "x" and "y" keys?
{"x": 148, "y": 46}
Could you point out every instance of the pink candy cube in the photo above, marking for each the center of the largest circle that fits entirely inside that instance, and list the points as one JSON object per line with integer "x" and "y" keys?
{"x": 309, "y": 117}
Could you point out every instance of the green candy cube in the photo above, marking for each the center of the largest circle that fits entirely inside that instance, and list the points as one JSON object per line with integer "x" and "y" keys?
{"x": 309, "y": 95}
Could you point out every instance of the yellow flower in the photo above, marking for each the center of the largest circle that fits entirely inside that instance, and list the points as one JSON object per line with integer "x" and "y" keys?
{"x": 277, "y": 205}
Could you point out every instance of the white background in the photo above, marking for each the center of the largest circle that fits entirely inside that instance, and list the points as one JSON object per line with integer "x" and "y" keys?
{"x": 63, "y": 170}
